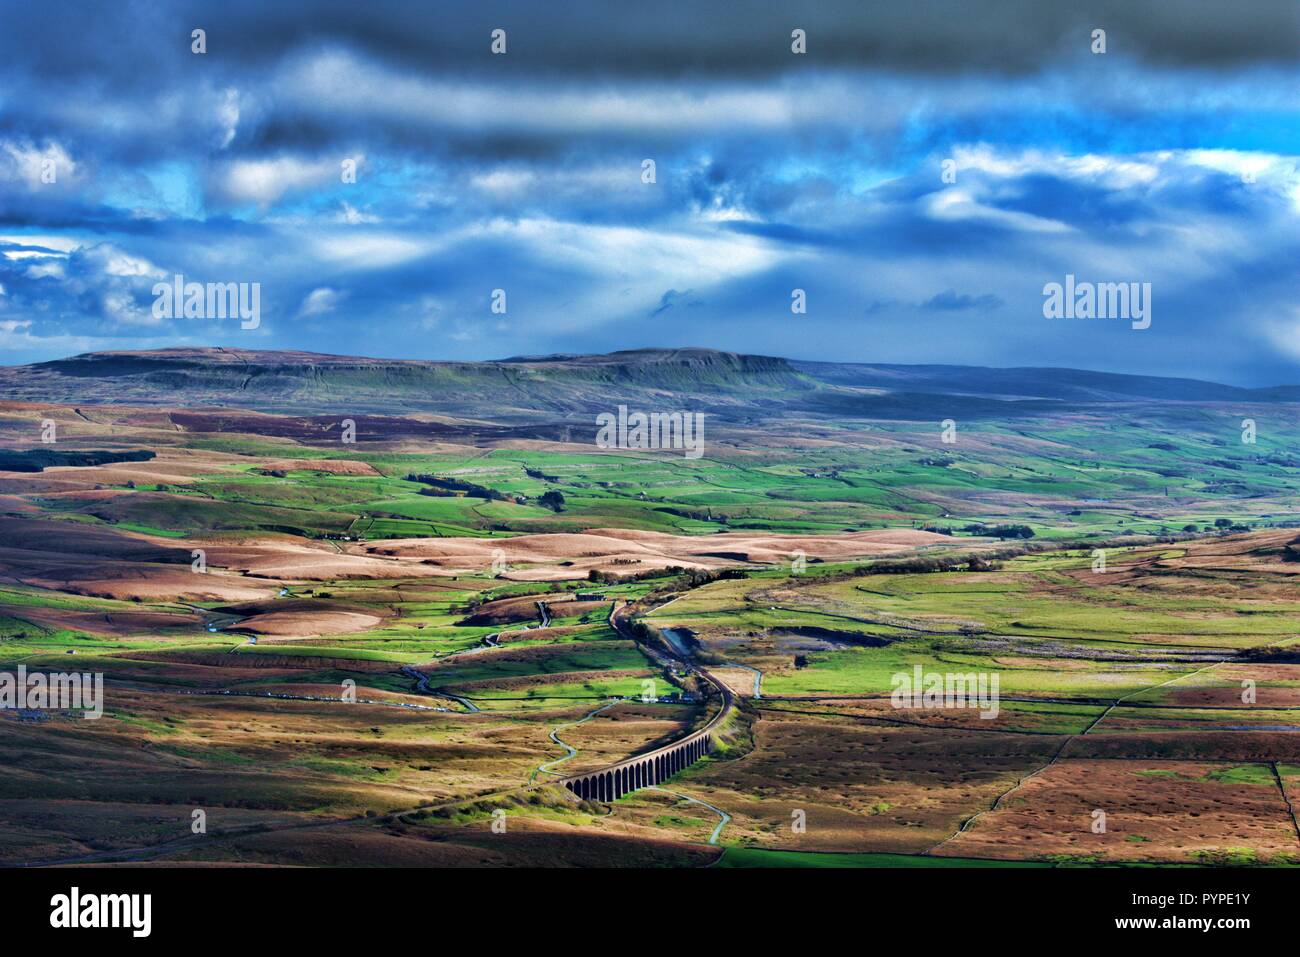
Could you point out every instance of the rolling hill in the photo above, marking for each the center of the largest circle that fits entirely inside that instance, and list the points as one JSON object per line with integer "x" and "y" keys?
{"x": 736, "y": 387}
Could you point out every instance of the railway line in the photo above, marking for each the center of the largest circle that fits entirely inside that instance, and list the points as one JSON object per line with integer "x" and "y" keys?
{"x": 652, "y": 767}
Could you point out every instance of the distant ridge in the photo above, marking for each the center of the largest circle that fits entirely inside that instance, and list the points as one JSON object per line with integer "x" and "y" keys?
{"x": 731, "y": 385}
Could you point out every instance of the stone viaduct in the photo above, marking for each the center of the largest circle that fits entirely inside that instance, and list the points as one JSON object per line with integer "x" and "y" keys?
{"x": 654, "y": 767}
{"x": 612, "y": 782}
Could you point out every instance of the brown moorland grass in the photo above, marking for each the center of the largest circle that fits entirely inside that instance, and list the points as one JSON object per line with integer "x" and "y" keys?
{"x": 625, "y": 729}
{"x": 1178, "y": 811}
{"x": 861, "y": 788}
{"x": 527, "y": 842}
{"x": 177, "y": 752}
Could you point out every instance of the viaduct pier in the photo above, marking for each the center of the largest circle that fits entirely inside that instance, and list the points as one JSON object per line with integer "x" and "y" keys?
{"x": 654, "y": 767}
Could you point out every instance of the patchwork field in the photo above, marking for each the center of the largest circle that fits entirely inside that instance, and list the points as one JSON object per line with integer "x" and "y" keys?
{"x": 1160, "y": 693}
{"x": 392, "y": 651}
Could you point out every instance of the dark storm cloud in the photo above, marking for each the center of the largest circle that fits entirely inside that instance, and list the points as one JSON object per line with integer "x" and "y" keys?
{"x": 774, "y": 172}
{"x": 134, "y": 44}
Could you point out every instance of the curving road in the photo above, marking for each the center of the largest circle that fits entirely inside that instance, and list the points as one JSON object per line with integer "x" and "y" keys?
{"x": 725, "y": 818}
{"x": 545, "y": 768}
{"x": 150, "y": 851}
{"x": 422, "y": 686}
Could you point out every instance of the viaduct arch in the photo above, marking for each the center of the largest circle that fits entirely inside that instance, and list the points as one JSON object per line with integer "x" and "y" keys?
{"x": 654, "y": 767}
{"x": 612, "y": 782}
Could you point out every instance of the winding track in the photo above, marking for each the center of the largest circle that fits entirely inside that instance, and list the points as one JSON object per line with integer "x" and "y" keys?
{"x": 617, "y": 621}
{"x": 634, "y": 768}
{"x": 724, "y": 817}
{"x": 1056, "y": 756}
{"x": 758, "y": 676}
{"x": 422, "y": 686}
{"x": 545, "y": 768}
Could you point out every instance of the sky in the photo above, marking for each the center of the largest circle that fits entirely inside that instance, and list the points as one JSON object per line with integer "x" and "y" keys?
{"x": 920, "y": 173}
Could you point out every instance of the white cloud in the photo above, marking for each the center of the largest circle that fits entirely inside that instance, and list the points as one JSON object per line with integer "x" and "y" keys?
{"x": 1112, "y": 172}
{"x": 118, "y": 281}
{"x": 352, "y": 216}
{"x": 504, "y": 181}
{"x": 372, "y": 250}
{"x": 30, "y": 163}
{"x": 959, "y": 204}
{"x": 17, "y": 336}
{"x": 652, "y": 254}
{"x": 228, "y": 117}
{"x": 118, "y": 263}
{"x": 264, "y": 181}
{"x": 61, "y": 245}
{"x": 627, "y": 269}
{"x": 1269, "y": 171}
{"x": 347, "y": 84}
{"x": 48, "y": 269}
{"x": 320, "y": 301}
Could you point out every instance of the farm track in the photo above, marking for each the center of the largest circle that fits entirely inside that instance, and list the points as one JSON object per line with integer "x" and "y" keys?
{"x": 725, "y": 818}
{"x": 545, "y": 767}
{"x": 618, "y": 623}
{"x": 998, "y": 801}
{"x": 422, "y": 686}
{"x": 489, "y": 642}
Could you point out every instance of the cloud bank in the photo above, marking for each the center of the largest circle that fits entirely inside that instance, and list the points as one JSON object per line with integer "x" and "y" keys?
{"x": 658, "y": 176}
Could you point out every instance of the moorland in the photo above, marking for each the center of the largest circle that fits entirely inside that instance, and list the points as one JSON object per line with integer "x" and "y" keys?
{"x": 362, "y": 611}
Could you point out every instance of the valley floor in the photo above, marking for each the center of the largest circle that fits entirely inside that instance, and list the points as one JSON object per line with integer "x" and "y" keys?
{"x": 279, "y": 689}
